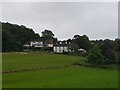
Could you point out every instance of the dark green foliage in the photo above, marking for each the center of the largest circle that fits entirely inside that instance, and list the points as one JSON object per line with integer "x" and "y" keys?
{"x": 118, "y": 57}
{"x": 14, "y": 36}
{"x": 95, "y": 56}
{"x": 108, "y": 51}
{"x": 48, "y": 37}
{"x": 117, "y": 50}
{"x": 74, "y": 47}
{"x": 55, "y": 40}
{"x": 82, "y": 41}
{"x": 47, "y": 34}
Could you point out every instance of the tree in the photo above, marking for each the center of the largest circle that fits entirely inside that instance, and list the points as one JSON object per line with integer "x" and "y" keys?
{"x": 69, "y": 41}
{"x": 15, "y": 36}
{"x": 55, "y": 40}
{"x": 117, "y": 50}
{"x": 47, "y": 34}
{"x": 76, "y": 36}
{"x": 108, "y": 51}
{"x": 74, "y": 47}
{"x": 82, "y": 41}
{"x": 95, "y": 56}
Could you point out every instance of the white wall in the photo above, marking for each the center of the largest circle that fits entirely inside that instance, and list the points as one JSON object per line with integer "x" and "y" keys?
{"x": 60, "y": 49}
{"x": 36, "y": 44}
{"x": 50, "y": 45}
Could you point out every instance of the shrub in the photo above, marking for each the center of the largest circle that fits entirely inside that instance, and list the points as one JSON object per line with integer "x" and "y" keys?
{"x": 95, "y": 56}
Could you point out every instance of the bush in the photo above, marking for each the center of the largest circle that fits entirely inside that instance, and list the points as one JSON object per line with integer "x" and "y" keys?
{"x": 95, "y": 56}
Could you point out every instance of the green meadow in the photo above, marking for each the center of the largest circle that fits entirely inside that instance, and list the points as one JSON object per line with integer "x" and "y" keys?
{"x": 65, "y": 77}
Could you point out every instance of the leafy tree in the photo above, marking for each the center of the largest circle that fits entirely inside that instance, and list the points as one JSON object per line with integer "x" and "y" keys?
{"x": 117, "y": 50}
{"x": 108, "y": 51}
{"x": 14, "y": 36}
{"x": 47, "y": 34}
{"x": 76, "y": 36}
{"x": 95, "y": 56}
{"x": 98, "y": 42}
{"x": 74, "y": 47}
{"x": 48, "y": 37}
{"x": 82, "y": 41}
{"x": 69, "y": 41}
{"x": 55, "y": 40}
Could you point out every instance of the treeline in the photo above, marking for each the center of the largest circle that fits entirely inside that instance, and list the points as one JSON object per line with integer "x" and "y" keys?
{"x": 78, "y": 42}
{"x": 105, "y": 52}
{"x": 14, "y": 36}
{"x": 98, "y": 51}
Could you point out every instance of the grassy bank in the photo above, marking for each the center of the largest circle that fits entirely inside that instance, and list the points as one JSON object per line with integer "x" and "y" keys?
{"x": 69, "y": 77}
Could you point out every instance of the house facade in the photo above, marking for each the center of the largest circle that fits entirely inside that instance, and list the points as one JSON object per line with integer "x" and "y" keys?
{"x": 58, "y": 47}
{"x": 48, "y": 43}
{"x": 41, "y": 43}
{"x": 61, "y": 47}
{"x": 36, "y": 43}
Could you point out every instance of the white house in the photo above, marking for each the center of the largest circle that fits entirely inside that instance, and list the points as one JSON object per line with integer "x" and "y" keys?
{"x": 48, "y": 43}
{"x": 36, "y": 43}
{"x": 41, "y": 43}
{"x": 61, "y": 47}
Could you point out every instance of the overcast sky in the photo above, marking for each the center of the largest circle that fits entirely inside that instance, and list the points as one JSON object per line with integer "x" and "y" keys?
{"x": 65, "y": 19}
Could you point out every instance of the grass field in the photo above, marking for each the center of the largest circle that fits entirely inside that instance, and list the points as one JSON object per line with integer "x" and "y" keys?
{"x": 69, "y": 77}
{"x": 16, "y": 61}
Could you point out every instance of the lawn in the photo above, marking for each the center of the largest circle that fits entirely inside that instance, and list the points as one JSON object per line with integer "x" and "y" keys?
{"x": 17, "y": 61}
{"x": 68, "y": 77}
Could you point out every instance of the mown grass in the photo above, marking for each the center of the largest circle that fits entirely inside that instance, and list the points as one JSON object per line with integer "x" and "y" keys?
{"x": 16, "y": 61}
{"x": 70, "y": 77}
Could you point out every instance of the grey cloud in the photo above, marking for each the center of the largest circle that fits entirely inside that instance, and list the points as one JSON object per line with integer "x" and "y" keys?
{"x": 65, "y": 19}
